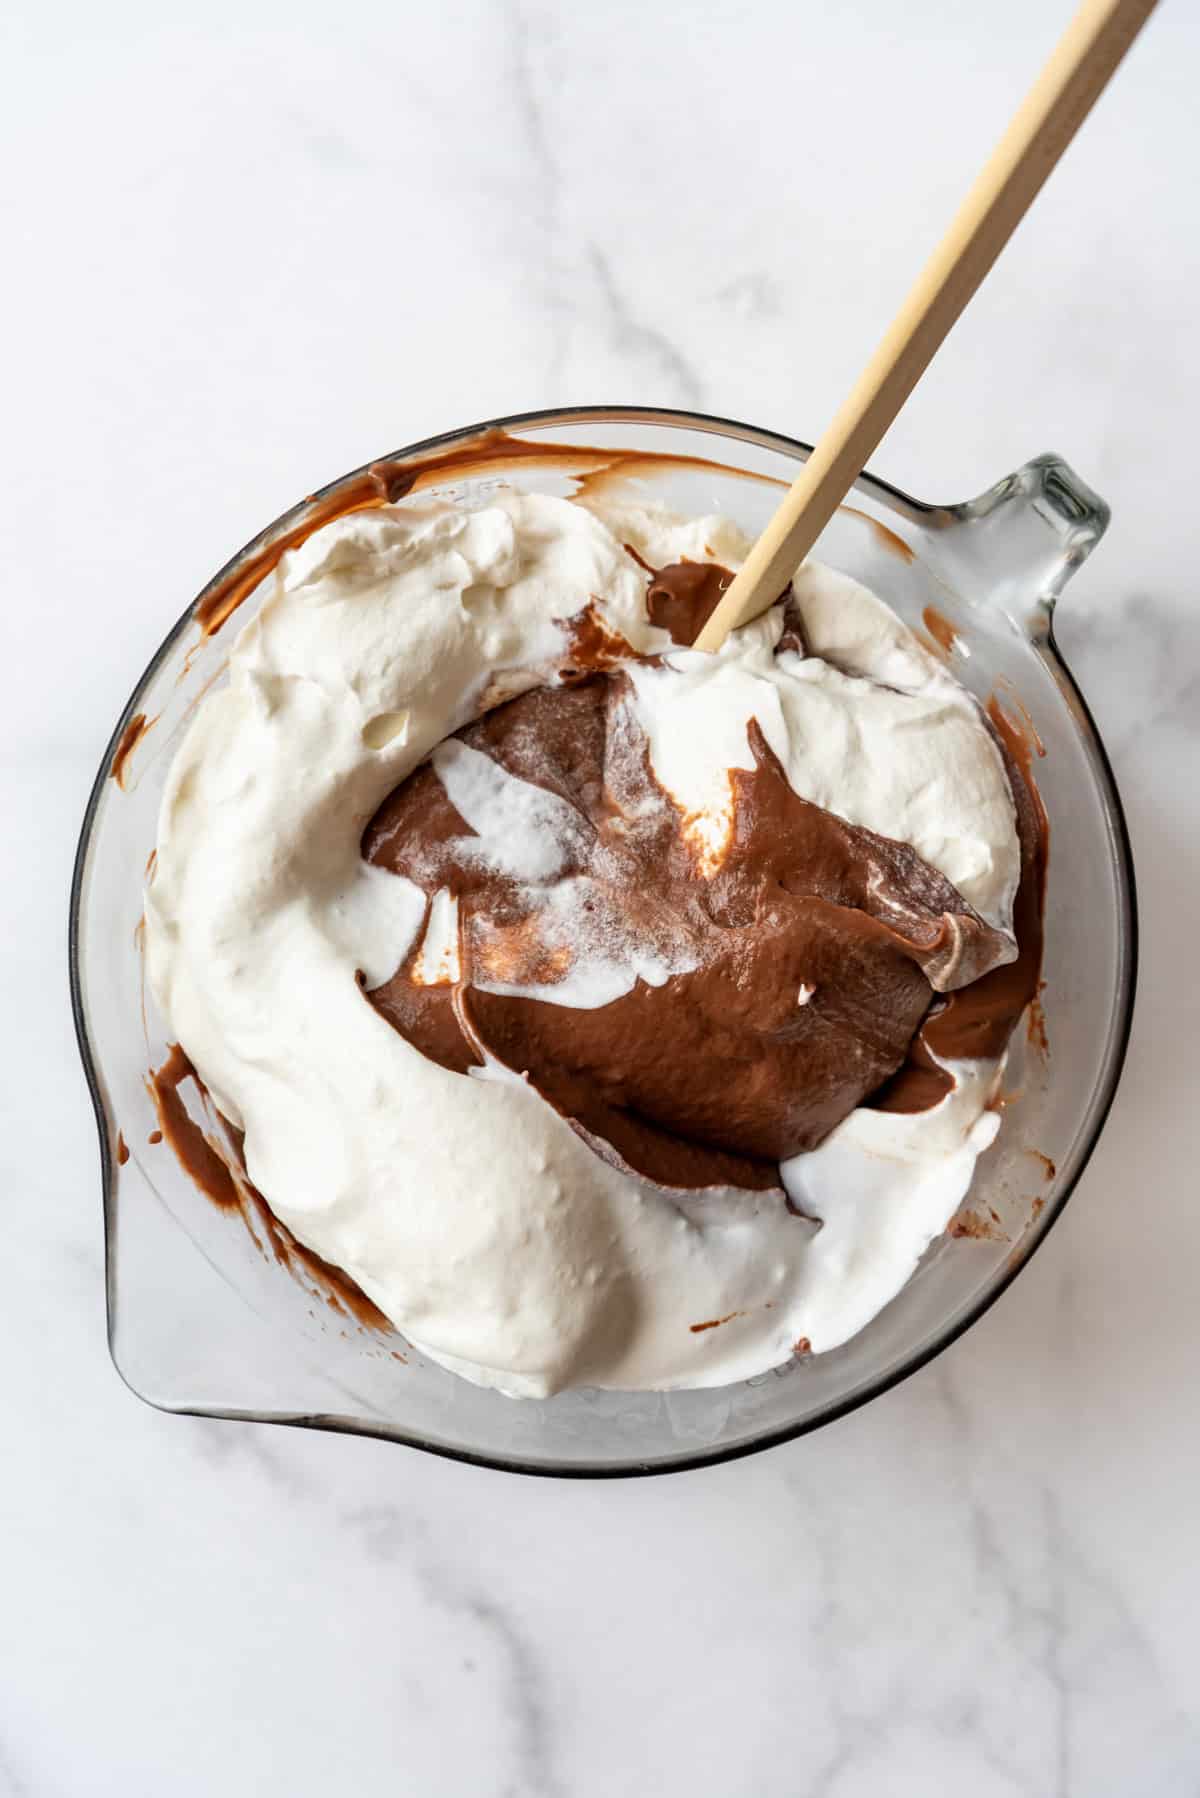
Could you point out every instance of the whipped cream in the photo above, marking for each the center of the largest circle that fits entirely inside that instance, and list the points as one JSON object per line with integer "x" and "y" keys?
{"x": 466, "y": 1207}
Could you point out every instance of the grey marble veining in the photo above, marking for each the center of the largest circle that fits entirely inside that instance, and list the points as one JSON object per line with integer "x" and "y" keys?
{"x": 250, "y": 247}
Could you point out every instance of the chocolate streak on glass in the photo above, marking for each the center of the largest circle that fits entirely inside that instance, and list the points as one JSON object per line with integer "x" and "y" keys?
{"x": 490, "y": 452}
{"x": 218, "y": 1169}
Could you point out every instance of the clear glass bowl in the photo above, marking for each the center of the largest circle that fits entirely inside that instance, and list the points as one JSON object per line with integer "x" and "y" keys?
{"x": 202, "y": 1316}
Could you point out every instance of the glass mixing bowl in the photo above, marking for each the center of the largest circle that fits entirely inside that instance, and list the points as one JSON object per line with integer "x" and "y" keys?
{"x": 204, "y": 1314}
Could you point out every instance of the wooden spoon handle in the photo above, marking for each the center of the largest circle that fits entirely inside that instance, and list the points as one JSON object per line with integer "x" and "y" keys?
{"x": 1051, "y": 114}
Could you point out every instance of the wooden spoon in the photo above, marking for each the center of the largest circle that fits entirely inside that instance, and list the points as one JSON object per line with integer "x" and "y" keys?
{"x": 1052, "y": 112}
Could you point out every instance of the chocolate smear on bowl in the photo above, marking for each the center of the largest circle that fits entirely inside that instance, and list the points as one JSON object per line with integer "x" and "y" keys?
{"x": 213, "y": 1159}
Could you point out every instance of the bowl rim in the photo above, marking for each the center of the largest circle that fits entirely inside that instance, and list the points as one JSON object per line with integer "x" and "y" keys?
{"x": 716, "y": 425}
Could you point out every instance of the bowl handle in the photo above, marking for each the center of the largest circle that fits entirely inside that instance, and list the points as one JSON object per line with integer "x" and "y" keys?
{"x": 1018, "y": 544}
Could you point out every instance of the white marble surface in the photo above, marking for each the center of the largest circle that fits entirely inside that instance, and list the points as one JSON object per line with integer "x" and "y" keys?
{"x": 247, "y": 247}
